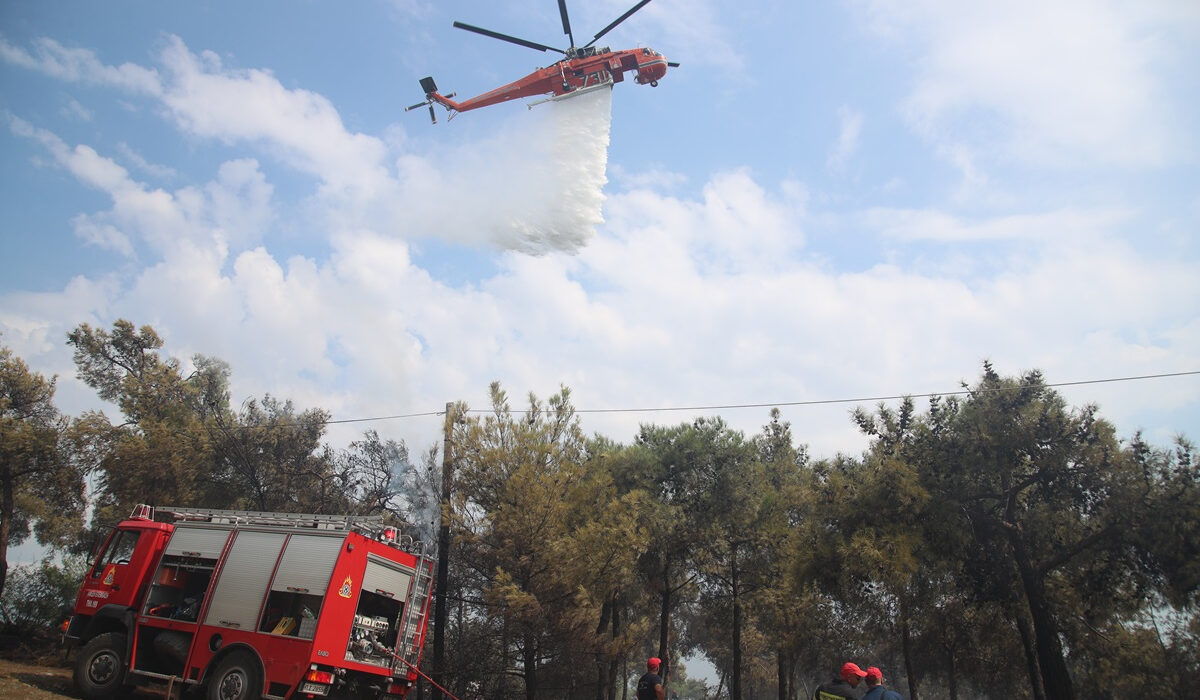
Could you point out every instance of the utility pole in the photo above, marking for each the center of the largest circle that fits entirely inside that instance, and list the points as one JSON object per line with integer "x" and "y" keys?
{"x": 443, "y": 563}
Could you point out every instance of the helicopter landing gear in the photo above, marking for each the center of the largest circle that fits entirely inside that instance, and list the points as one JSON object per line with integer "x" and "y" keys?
{"x": 653, "y": 83}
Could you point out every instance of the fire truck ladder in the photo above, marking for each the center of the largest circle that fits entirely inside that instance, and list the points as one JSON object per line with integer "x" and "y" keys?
{"x": 415, "y": 613}
{"x": 316, "y": 521}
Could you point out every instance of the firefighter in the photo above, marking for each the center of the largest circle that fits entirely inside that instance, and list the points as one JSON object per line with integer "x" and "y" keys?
{"x": 844, "y": 687}
{"x": 650, "y": 687}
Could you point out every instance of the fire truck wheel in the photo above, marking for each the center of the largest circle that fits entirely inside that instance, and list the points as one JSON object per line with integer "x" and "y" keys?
{"x": 100, "y": 667}
{"x": 236, "y": 678}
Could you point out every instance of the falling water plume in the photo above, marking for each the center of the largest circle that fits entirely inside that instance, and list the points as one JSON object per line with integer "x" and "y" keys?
{"x": 536, "y": 186}
{"x": 573, "y": 180}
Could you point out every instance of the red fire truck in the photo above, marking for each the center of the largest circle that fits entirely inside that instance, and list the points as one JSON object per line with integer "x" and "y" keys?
{"x": 245, "y": 605}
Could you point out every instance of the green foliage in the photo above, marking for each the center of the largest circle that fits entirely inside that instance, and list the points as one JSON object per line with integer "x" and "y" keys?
{"x": 1157, "y": 645}
{"x": 273, "y": 458}
{"x": 1011, "y": 500}
{"x": 1001, "y": 540}
{"x": 162, "y": 452}
{"x": 547, "y": 540}
{"x": 181, "y": 444}
{"x": 41, "y": 488}
{"x": 37, "y": 595}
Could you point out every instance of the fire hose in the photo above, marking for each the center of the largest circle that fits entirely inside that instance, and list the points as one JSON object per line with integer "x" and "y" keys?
{"x": 419, "y": 673}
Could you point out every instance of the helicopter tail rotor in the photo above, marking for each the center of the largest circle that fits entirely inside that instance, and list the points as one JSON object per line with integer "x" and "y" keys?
{"x": 430, "y": 89}
{"x": 432, "y": 96}
{"x": 426, "y": 103}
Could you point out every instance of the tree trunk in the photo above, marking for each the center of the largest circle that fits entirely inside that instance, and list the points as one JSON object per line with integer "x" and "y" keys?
{"x": 502, "y": 679}
{"x": 781, "y": 675}
{"x": 5, "y": 528}
{"x": 735, "y": 681}
{"x": 951, "y": 671}
{"x": 1031, "y": 664}
{"x": 601, "y": 671}
{"x": 529, "y": 654}
{"x": 613, "y": 664}
{"x": 1055, "y": 677}
{"x": 458, "y": 659}
{"x": 664, "y": 623}
{"x": 906, "y": 647}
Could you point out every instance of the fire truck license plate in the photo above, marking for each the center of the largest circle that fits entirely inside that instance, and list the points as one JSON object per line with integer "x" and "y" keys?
{"x": 314, "y": 688}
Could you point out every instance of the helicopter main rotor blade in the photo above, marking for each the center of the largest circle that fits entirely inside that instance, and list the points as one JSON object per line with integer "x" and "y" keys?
{"x": 562, "y": 10}
{"x": 509, "y": 39}
{"x": 617, "y": 21}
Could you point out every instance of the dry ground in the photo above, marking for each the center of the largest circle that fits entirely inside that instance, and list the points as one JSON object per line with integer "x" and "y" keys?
{"x": 35, "y": 679}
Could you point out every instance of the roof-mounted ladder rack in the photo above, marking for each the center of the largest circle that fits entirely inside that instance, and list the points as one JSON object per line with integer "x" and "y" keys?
{"x": 316, "y": 521}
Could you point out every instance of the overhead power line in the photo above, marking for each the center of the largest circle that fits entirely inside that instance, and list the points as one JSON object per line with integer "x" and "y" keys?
{"x": 776, "y": 404}
{"x": 395, "y": 417}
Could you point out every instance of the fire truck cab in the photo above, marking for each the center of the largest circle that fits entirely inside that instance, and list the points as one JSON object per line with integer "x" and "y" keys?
{"x": 246, "y": 605}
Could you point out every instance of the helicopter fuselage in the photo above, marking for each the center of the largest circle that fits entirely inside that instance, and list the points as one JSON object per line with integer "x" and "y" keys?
{"x": 587, "y": 69}
{"x": 582, "y": 69}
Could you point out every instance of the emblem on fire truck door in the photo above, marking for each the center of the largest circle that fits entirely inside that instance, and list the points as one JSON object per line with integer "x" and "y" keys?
{"x": 344, "y": 591}
{"x": 110, "y": 574}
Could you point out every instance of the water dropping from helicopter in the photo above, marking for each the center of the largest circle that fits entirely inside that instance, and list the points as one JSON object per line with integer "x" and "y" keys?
{"x": 541, "y": 182}
{"x": 534, "y": 185}
{"x": 573, "y": 179}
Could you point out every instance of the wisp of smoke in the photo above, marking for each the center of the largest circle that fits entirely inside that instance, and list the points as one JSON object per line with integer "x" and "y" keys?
{"x": 536, "y": 187}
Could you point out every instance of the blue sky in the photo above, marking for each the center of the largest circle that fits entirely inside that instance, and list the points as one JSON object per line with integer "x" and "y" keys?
{"x": 827, "y": 200}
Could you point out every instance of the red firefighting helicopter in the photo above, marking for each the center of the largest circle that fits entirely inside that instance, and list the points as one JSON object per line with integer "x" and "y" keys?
{"x": 583, "y": 69}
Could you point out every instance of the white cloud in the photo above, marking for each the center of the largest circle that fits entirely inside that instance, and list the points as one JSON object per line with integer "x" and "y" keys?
{"x": 301, "y": 127}
{"x": 232, "y": 210}
{"x": 688, "y": 24}
{"x": 847, "y": 142}
{"x": 1063, "y": 83}
{"x": 675, "y": 303}
{"x": 74, "y": 110}
{"x": 677, "y": 299}
{"x": 659, "y": 179}
{"x": 691, "y": 31}
{"x": 82, "y": 65}
{"x": 139, "y": 162}
{"x": 238, "y": 203}
{"x": 937, "y": 225}
{"x": 536, "y": 186}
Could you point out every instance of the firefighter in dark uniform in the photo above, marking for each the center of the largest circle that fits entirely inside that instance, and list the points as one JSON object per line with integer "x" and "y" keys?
{"x": 650, "y": 686}
{"x": 845, "y": 687}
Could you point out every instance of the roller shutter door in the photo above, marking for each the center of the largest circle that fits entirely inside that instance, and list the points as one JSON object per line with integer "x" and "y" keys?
{"x": 385, "y": 576}
{"x": 243, "y": 580}
{"x": 197, "y": 542}
{"x": 307, "y": 564}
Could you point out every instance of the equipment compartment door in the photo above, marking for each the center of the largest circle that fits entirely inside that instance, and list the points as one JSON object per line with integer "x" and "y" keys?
{"x": 242, "y": 581}
{"x": 386, "y": 580}
{"x": 379, "y": 612}
{"x": 294, "y": 603}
